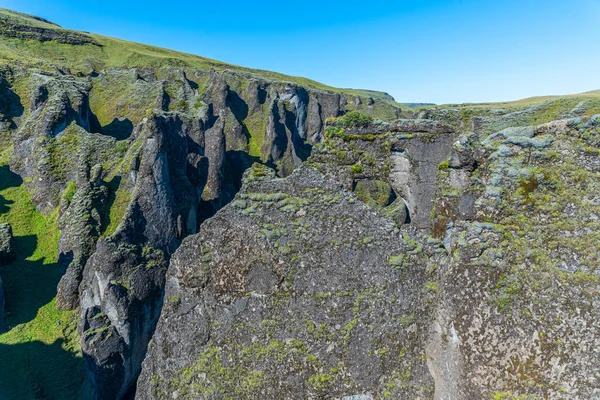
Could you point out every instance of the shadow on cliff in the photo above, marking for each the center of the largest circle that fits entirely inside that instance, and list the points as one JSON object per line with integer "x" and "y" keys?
{"x": 10, "y": 105}
{"x": 36, "y": 370}
{"x": 236, "y": 163}
{"x": 7, "y": 180}
{"x": 119, "y": 128}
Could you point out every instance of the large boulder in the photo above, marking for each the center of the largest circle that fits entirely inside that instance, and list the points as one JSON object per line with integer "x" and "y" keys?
{"x": 294, "y": 290}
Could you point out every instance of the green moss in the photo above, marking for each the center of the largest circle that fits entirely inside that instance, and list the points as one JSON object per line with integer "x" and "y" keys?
{"x": 510, "y": 396}
{"x": 408, "y": 320}
{"x": 122, "y": 198}
{"x": 69, "y": 191}
{"x": 444, "y": 165}
{"x": 229, "y": 381}
{"x": 63, "y": 150}
{"x": 320, "y": 381}
{"x": 373, "y": 192}
{"x": 351, "y": 119}
{"x": 356, "y": 168}
{"x": 256, "y": 124}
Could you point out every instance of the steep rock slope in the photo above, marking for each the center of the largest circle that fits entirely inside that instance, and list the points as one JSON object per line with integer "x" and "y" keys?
{"x": 296, "y": 289}
{"x": 518, "y": 310}
{"x": 509, "y": 295}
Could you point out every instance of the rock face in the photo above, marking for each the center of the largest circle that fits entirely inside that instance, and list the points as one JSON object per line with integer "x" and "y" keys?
{"x": 14, "y": 27}
{"x": 295, "y": 289}
{"x": 403, "y": 157}
{"x": 504, "y": 280}
{"x": 519, "y": 279}
{"x": 81, "y": 225}
{"x": 6, "y": 256}
{"x": 6, "y": 244}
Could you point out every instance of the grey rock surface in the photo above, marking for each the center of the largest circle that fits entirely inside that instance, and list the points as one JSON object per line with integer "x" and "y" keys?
{"x": 294, "y": 290}
{"x": 81, "y": 225}
{"x": 6, "y": 244}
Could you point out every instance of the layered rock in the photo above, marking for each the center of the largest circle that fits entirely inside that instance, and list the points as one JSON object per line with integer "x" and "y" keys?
{"x": 81, "y": 224}
{"x": 13, "y": 26}
{"x": 295, "y": 289}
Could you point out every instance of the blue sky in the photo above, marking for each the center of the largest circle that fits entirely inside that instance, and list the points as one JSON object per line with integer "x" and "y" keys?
{"x": 441, "y": 51}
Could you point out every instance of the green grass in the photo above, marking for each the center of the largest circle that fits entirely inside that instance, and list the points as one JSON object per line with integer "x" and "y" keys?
{"x": 122, "y": 197}
{"x": 40, "y": 355}
{"x": 256, "y": 124}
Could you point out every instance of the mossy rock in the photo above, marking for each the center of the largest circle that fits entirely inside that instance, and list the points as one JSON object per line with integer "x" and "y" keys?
{"x": 374, "y": 193}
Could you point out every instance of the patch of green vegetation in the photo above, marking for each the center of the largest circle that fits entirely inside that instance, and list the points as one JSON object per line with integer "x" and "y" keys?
{"x": 510, "y": 396}
{"x": 350, "y": 120}
{"x": 320, "y": 381}
{"x": 122, "y": 197}
{"x": 40, "y": 355}
{"x": 357, "y": 168}
{"x": 63, "y": 151}
{"x": 374, "y": 193}
{"x": 444, "y": 165}
{"x": 69, "y": 191}
{"x": 256, "y": 124}
{"x": 408, "y": 320}
{"x": 119, "y": 95}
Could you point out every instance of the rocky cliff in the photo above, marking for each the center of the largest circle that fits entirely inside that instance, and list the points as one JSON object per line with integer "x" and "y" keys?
{"x": 501, "y": 274}
{"x": 220, "y": 232}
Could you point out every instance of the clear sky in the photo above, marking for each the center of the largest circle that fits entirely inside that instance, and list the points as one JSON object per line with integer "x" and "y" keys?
{"x": 441, "y": 51}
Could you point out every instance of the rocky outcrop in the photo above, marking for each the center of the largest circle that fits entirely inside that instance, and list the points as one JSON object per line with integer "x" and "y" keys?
{"x": 402, "y": 159}
{"x": 6, "y": 257}
{"x": 295, "y": 289}
{"x": 54, "y": 136}
{"x": 506, "y": 288}
{"x": 6, "y": 244}
{"x": 14, "y": 27}
{"x": 81, "y": 224}
{"x": 121, "y": 292}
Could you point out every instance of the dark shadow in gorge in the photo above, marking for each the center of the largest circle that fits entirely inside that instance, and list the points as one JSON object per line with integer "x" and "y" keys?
{"x": 35, "y": 370}
{"x": 118, "y": 128}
